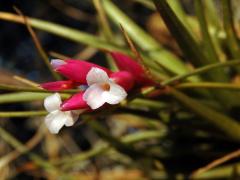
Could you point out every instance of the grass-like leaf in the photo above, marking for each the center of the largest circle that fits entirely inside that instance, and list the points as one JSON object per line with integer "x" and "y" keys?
{"x": 229, "y": 126}
{"x": 232, "y": 40}
{"x": 25, "y": 97}
{"x": 144, "y": 40}
{"x": 22, "y": 113}
{"x": 193, "y": 51}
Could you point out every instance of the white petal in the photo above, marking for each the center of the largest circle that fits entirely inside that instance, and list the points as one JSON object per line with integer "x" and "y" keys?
{"x": 96, "y": 75}
{"x": 115, "y": 95}
{"x": 73, "y": 116}
{"x": 53, "y": 102}
{"x": 70, "y": 120}
{"x": 55, "y": 121}
{"x": 93, "y": 96}
{"x": 56, "y": 63}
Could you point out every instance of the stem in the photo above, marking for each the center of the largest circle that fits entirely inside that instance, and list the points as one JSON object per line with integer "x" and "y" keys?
{"x": 200, "y": 71}
{"x": 23, "y": 113}
{"x": 208, "y": 85}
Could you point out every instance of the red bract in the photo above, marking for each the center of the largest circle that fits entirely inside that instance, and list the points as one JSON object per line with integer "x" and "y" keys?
{"x": 124, "y": 79}
{"x": 75, "y": 70}
{"x": 58, "y": 85}
{"x": 74, "y": 102}
{"x": 126, "y": 63}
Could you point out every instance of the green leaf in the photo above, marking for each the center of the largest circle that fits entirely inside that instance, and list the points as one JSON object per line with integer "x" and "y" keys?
{"x": 228, "y": 23}
{"x": 77, "y": 36}
{"x": 23, "y": 113}
{"x": 212, "y": 15}
{"x": 193, "y": 51}
{"x": 200, "y": 71}
{"x": 206, "y": 38}
{"x": 150, "y": 46}
{"x": 178, "y": 10}
{"x": 25, "y": 97}
{"x": 185, "y": 41}
{"x": 228, "y": 126}
{"x": 66, "y": 32}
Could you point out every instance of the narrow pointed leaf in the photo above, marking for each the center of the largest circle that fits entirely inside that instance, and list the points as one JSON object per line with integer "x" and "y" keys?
{"x": 186, "y": 42}
{"x": 23, "y": 113}
{"x": 207, "y": 41}
{"x": 65, "y": 32}
{"x": 25, "y": 97}
{"x": 76, "y": 36}
{"x": 228, "y": 126}
{"x": 232, "y": 41}
{"x": 150, "y": 46}
{"x": 193, "y": 51}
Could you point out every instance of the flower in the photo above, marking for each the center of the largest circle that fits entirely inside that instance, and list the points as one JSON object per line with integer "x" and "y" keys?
{"x": 102, "y": 89}
{"x": 126, "y": 63}
{"x": 97, "y": 85}
{"x": 78, "y": 73}
{"x": 56, "y": 118}
{"x": 75, "y": 70}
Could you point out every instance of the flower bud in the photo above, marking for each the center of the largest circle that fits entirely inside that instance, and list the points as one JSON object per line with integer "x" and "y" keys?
{"x": 124, "y": 79}
{"x": 125, "y": 63}
{"x": 74, "y": 102}
{"x": 75, "y": 70}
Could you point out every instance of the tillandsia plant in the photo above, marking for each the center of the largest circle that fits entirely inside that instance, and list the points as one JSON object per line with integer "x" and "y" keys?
{"x": 97, "y": 86}
{"x": 154, "y": 95}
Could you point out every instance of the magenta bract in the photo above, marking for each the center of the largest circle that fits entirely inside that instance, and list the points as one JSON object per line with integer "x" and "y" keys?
{"x": 126, "y": 63}
{"x": 124, "y": 79}
{"x": 58, "y": 85}
{"x": 77, "y": 70}
{"x": 74, "y": 102}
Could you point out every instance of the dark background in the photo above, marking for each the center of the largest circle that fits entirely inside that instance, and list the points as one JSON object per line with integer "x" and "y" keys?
{"x": 17, "y": 51}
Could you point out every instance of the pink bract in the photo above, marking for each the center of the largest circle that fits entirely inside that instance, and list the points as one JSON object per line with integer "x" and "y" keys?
{"x": 126, "y": 63}
{"x": 74, "y": 102}
{"x": 77, "y": 70}
{"x": 58, "y": 85}
{"x": 124, "y": 79}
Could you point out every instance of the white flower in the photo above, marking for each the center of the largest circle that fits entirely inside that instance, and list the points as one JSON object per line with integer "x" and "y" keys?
{"x": 102, "y": 89}
{"x": 56, "y": 118}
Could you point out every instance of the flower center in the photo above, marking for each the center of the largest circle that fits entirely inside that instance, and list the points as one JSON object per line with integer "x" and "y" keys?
{"x": 105, "y": 86}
